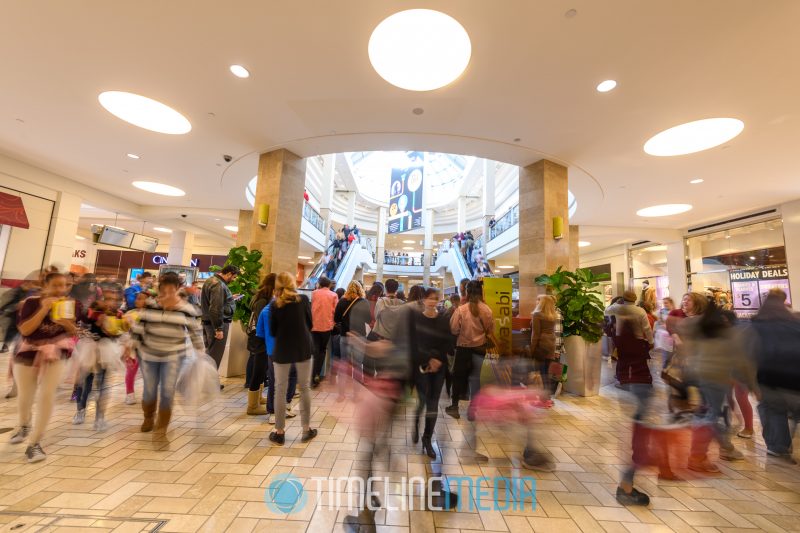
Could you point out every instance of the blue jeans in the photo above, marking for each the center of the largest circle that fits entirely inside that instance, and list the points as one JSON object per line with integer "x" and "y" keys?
{"x": 776, "y": 408}
{"x": 714, "y": 395}
{"x": 157, "y": 375}
{"x": 98, "y": 380}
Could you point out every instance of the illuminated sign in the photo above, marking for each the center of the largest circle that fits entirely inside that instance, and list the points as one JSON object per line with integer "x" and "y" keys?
{"x": 161, "y": 260}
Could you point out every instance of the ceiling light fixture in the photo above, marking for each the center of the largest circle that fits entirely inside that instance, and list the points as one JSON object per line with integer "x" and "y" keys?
{"x": 694, "y": 136}
{"x": 158, "y": 188}
{"x": 696, "y": 181}
{"x": 409, "y": 242}
{"x": 234, "y": 229}
{"x": 80, "y": 238}
{"x": 163, "y": 230}
{"x": 305, "y": 257}
{"x": 664, "y": 210}
{"x": 419, "y": 49}
{"x": 144, "y": 112}
{"x": 606, "y": 86}
{"x": 408, "y": 247}
{"x": 239, "y": 71}
{"x": 505, "y": 267}
{"x": 133, "y": 156}
{"x": 583, "y": 244}
{"x": 752, "y": 258}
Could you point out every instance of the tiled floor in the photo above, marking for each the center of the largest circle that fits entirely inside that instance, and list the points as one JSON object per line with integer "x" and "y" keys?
{"x": 211, "y": 470}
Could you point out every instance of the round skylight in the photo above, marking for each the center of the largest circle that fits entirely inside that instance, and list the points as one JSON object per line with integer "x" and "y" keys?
{"x": 664, "y": 210}
{"x": 694, "y": 136}
{"x": 144, "y": 112}
{"x": 158, "y": 188}
{"x": 419, "y": 49}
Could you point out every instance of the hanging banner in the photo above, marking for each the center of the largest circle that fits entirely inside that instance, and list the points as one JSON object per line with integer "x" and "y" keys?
{"x": 405, "y": 195}
{"x": 497, "y": 293}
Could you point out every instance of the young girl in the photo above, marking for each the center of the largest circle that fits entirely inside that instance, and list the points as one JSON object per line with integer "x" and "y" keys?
{"x": 38, "y": 364}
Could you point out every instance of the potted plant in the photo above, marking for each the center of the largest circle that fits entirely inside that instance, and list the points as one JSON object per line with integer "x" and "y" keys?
{"x": 581, "y": 307}
{"x": 246, "y": 283}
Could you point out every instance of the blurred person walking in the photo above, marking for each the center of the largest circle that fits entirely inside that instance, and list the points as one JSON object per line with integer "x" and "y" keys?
{"x": 257, "y": 347}
{"x": 543, "y": 336}
{"x": 218, "y": 304}
{"x": 323, "y": 308}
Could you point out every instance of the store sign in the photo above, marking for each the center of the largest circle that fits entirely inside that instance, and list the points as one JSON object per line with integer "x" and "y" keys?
{"x": 161, "y": 260}
{"x": 750, "y": 287}
{"x": 498, "y": 294}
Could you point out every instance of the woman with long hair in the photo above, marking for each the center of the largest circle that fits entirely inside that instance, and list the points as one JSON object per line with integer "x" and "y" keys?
{"x": 351, "y": 318}
{"x": 290, "y": 324}
{"x": 431, "y": 336}
{"x": 473, "y": 323}
{"x": 543, "y": 335}
{"x": 257, "y": 347}
{"x": 47, "y": 340}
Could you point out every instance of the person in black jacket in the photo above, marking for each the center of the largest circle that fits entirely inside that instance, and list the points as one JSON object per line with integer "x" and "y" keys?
{"x": 290, "y": 324}
{"x": 218, "y": 306}
{"x": 431, "y": 334}
{"x": 258, "y": 348}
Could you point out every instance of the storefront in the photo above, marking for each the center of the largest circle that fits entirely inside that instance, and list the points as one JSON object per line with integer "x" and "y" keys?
{"x": 649, "y": 271}
{"x": 738, "y": 267}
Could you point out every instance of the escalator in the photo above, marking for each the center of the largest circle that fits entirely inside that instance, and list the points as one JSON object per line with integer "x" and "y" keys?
{"x": 344, "y": 266}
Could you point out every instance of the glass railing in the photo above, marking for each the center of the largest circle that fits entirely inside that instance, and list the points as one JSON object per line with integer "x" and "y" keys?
{"x": 508, "y": 220}
{"x": 311, "y": 214}
{"x": 398, "y": 259}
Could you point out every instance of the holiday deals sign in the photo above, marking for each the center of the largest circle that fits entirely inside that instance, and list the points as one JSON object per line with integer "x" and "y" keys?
{"x": 750, "y": 287}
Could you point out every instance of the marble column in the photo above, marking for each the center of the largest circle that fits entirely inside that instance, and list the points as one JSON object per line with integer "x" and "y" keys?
{"x": 427, "y": 246}
{"x": 542, "y": 196}
{"x": 326, "y": 193}
{"x": 676, "y": 270}
{"x": 180, "y": 248}
{"x": 281, "y": 181}
{"x": 574, "y": 249}
{"x": 245, "y": 227}
{"x": 380, "y": 244}
{"x": 489, "y": 207}
{"x": 791, "y": 237}
{"x": 63, "y": 228}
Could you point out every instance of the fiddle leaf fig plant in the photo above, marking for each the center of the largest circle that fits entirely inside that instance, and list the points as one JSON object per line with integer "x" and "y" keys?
{"x": 578, "y": 299}
{"x": 246, "y": 283}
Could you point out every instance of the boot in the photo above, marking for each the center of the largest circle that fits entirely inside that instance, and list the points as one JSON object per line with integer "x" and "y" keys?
{"x": 149, "y": 410}
{"x": 261, "y": 399}
{"x": 254, "y": 406}
{"x": 163, "y": 420}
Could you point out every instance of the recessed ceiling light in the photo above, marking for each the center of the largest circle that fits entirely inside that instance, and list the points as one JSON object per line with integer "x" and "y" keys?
{"x": 408, "y": 247}
{"x": 694, "y": 136}
{"x": 239, "y": 71}
{"x": 409, "y": 242}
{"x": 80, "y": 238}
{"x": 605, "y": 86}
{"x": 505, "y": 266}
{"x": 752, "y": 258}
{"x": 158, "y": 188}
{"x": 583, "y": 244}
{"x": 419, "y": 49}
{"x": 133, "y": 156}
{"x": 664, "y": 210}
{"x": 163, "y": 230}
{"x": 144, "y": 112}
{"x": 234, "y": 229}
{"x": 303, "y": 257}
{"x": 418, "y": 111}
{"x": 696, "y": 181}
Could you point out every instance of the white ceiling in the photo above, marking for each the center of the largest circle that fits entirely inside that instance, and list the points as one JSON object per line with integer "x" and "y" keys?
{"x": 312, "y": 90}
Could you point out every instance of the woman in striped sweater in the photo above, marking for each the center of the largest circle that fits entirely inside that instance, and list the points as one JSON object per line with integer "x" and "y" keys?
{"x": 160, "y": 337}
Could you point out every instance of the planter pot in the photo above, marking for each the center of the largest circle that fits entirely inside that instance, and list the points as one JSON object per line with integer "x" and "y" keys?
{"x": 234, "y": 360}
{"x": 584, "y": 361}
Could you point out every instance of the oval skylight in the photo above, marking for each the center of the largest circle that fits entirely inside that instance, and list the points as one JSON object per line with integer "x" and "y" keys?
{"x": 694, "y": 136}
{"x": 158, "y": 188}
{"x": 419, "y": 49}
{"x": 144, "y": 112}
{"x": 664, "y": 210}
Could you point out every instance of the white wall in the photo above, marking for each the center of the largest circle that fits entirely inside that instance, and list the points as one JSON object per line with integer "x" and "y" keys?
{"x": 26, "y": 247}
{"x": 791, "y": 235}
{"x": 615, "y": 256}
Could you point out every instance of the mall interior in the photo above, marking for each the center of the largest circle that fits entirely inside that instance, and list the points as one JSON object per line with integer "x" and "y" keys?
{"x": 649, "y": 142}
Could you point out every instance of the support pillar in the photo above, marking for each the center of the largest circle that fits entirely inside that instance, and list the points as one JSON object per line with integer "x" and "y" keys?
{"x": 245, "y": 228}
{"x": 462, "y": 214}
{"x": 542, "y": 196}
{"x": 380, "y": 244}
{"x": 180, "y": 248}
{"x": 489, "y": 208}
{"x": 63, "y": 228}
{"x": 281, "y": 181}
{"x": 427, "y": 247}
{"x": 791, "y": 238}
{"x": 351, "y": 208}
{"x": 326, "y": 194}
{"x": 574, "y": 249}
{"x": 676, "y": 270}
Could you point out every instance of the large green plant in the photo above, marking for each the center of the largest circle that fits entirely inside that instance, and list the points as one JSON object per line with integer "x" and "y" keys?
{"x": 579, "y": 301}
{"x": 246, "y": 283}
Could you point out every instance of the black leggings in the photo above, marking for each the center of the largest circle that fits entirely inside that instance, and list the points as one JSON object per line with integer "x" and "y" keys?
{"x": 429, "y": 389}
{"x": 467, "y": 372}
{"x": 259, "y": 375}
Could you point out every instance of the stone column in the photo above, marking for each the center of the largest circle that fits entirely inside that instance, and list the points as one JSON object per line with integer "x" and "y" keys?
{"x": 245, "y": 228}
{"x": 489, "y": 208}
{"x": 542, "y": 196}
{"x": 462, "y": 214}
{"x": 63, "y": 228}
{"x": 791, "y": 237}
{"x": 180, "y": 248}
{"x": 281, "y": 181}
{"x": 380, "y": 244}
{"x": 427, "y": 246}
{"x": 676, "y": 270}
{"x": 574, "y": 249}
{"x": 326, "y": 194}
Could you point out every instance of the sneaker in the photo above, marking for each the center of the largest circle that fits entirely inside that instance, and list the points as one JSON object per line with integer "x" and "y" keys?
{"x": 130, "y": 399}
{"x": 35, "y": 453}
{"x": 703, "y": 465}
{"x": 308, "y": 435}
{"x": 452, "y": 411}
{"x": 100, "y": 424}
{"x": 20, "y": 435}
{"x": 731, "y": 455}
{"x": 634, "y": 497}
{"x": 289, "y": 412}
{"x": 537, "y": 462}
{"x": 79, "y": 417}
{"x": 271, "y": 418}
{"x": 277, "y": 438}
